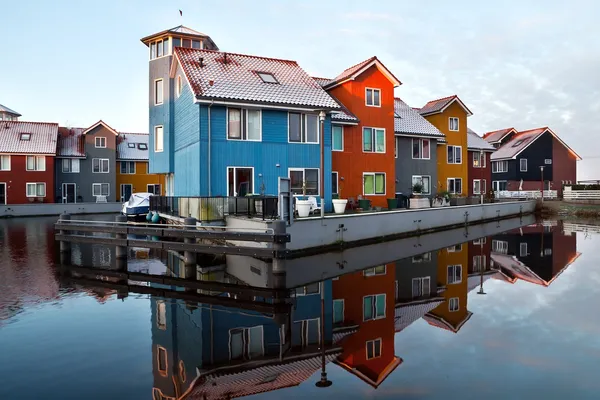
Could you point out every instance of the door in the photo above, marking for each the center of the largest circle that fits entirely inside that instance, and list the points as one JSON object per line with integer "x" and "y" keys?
{"x": 68, "y": 193}
{"x": 2, "y": 193}
{"x": 239, "y": 181}
{"x": 126, "y": 190}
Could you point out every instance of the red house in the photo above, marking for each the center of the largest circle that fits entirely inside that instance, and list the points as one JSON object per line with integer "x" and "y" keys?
{"x": 480, "y": 170}
{"x": 27, "y": 151}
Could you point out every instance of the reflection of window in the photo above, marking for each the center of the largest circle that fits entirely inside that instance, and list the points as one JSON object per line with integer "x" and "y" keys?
{"x": 100, "y": 142}
{"x": 425, "y": 257}
{"x": 479, "y": 241}
{"x": 547, "y": 252}
{"x": 373, "y": 183}
{"x": 373, "y": 349}
{"x": 182, "y": 374}
{"x": 5, "y": 163}
{"x": 453, "y": 304}
{"x": 500, "y": 246}
{"x": 421, "y": 286}
{"x": 161, "y": 314}
{"x": 307, "y": 176}
{"x": 499, "y": 166}
{"x": 338, "y": 311}
{"x": 162, "y": 359}
{"x": 478, "y": 159}
{"x": 308, "y": 330}
{"x": 158, "y": 139}
{"x": 246, "y": 343}
{"x": 373, "y": 140}
{"x": 454, "y": 249}
{"x": 373, "y": 307}
{"x": 420, "y": 149}
{"x": 314, "y": 288}
{"x": 479, "y": 263}
{"x": 378, "y": 270}
{"x": 523, "y": 250}
{"x": 454, "y": 274}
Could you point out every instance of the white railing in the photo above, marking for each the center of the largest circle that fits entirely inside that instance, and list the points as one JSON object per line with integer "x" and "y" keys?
{"x": 526, "y": 194}
{"x": 569, "y": 227}
{"x": 581, "y": 194}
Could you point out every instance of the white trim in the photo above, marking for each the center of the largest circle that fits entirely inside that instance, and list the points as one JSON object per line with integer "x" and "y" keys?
{"x": 375, "y": 317}
{"x": 381, "y": 69}
{"x": 448, "y": 185}
{"x": 91, "y": 128}
{"x": 35, "y": 168}
{"x": 245, "y": 126}
{"x": 454, "y": 147}
{"x": 523, "y": 249}
{"x": 335, "y": 126}
{"x": 100, "y": 165}
{"x": 374, "y": 140}
{"x": 5, "y": 193}
{"x": 421, "y": 149}
{"x": 334, "y": 122}
{"x": 156, "y": 103}
{"x": 305, "y": 117}
{"x": 421, "y": 176}
{"x": 314, "y": 109}
{"x": 159, "y": 349}
{"x": 337, "y": 182}
{"x": 121, "y": 187}
{"x": 127, "y": 173}
{"x": 178, "y": 86}
{"x": 421, "y": 280}
{"x": 227, "y": 178}
{"x": 35, "y": 183}
{"x": 450, "y": 119}
{"x": 9, "y": 162}
{"x": 247, "y": 344}
{"x": 498, "y": 171}
{"x": 454, "y": 268}
{"x": 96, "y": 142}
{"x": 101, "y": 183}
{"x": 450, "y": 304}
{"x": 162, "y": 137}
{"x": 521, "y": 165}
{"x": 477, "y": 157}
{"x": 374, "y": 174}
{"x": 343, "y": 309}
{"x": 367, "y": 348}
{"x": 423, "y": 136}
{"x": 464, "y": 107}
{"x": 373, "y": 95}
{"x": 373, "y": 271}
{"x": 303, "y": 169}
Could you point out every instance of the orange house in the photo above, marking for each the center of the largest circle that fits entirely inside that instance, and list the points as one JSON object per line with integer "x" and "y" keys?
{"x": 449, "y": 115}
{"x": 132, "y": 167}
{"x": 363, "y": 161}
{"x": 365, "y": 300}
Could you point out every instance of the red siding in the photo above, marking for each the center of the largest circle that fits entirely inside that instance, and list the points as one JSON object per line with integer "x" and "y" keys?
{"x": 17, "y": 178}
{"x": 480, "y": 173}
{"x": 564, "y": 165}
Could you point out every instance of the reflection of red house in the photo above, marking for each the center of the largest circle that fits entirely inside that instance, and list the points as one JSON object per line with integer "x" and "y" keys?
{"x": 366, "y": 299}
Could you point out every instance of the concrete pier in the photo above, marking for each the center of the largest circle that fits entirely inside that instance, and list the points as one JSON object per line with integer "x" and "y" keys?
{"x": 189, "y": 257}
{"x": 65, "y": 246}
{"x": 121, "y": 251}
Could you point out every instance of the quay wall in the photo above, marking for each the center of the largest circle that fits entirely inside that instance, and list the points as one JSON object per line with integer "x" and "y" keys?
{"x": 40, "y": 209}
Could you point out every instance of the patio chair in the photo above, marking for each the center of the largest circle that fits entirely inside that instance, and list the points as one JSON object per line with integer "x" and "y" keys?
{"x": 314, "y": 206}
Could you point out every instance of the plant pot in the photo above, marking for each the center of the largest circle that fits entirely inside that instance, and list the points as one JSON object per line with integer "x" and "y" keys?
{"x": 339, "y": 205}
{"x": 364, "y": 204}
{"x": 392, "y": 204}
{"x": 303, "y": 208}
{"x": 419, "y": 202}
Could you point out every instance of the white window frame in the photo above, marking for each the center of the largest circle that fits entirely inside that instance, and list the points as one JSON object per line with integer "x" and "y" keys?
{"x": 454, "y": 153}
{"x": 36, "y": 163}
{"x": 548, "y": 252}
{"x": 477, "y": 183}
{"x": 162, "y": 139}
{"x": 372, "y": 343}
{"x": 450, "y": 124}
{"x": 500, "y": 246}
{"x": 244, "y": 125}
{"x": 496, "y": 167}
{"x": 452, "y": 276}
{"x": 236, "y": 186}
{"x": 548, "y": 161}
{"x": 127, "y": 170}
{"x": 453, "y": 304}
{"x": 100, "y": 142}
{"x": 421, "y": 281}
{"x": 154, "y": 185}
{"x": 373, "y": 271}
{"x": 337, "y": 182}
{"x": 342, "y": 128}
{"x": 479, "y": 159}
{"x": 373, "y": 140}
{"x": 421, "y": 177}
{"x": 304, "y": 178}
{"x": 178, "y": 86}
{"x": 161, "y": 350}
{"x": 375, "y": 317}
{"x": 100, "y": 162}
{"x": 373, "y": 90}
{"x": 35, "y": 184}
{"x": 479, "y": 263}
{"x": 303, "y": 135}
{"x": 396, "y": 146}
{"x": 374, "y": 174}
{"x": 100, "y": 185}
{"x": 480, "y": 241}
{"x": 523, "y": 249}
{"x": 4, "y": 156}
{"x": 70, "y": 163}
{"x": 343, "y": 310}
{"x": 421, "y": 141}
{"x": 521, "y": 164}
{"x": 159, "y": 83}
{"x": 161, "y": 315}
{"x": 448, "y": 185}
{"x": 457, "y": 248}
{"x": 425, "y": 257}
{"x": 304, "y": 293}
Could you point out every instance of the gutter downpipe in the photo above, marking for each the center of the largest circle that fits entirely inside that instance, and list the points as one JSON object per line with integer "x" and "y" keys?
{"x": 209, "y": 135}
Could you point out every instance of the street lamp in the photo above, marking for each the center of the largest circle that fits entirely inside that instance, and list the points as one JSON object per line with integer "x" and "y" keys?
{"x": 542, "y": 170}
{"x": 322, "y": 183}
{"x": 324, "y": 382}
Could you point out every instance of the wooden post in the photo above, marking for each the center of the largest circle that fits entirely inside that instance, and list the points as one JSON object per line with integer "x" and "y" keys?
{"x": 65, "y": 246}
{"x": 189, "y": 257}
{"x": 279, "y": 270}
{"x": 121, "y": 251}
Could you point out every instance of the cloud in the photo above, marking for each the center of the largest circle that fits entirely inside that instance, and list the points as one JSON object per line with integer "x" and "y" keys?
{"x": 370, "y": 16}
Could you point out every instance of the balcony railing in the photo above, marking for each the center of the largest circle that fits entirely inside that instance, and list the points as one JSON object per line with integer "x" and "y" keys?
{"x": 526, "y": 194}
{"x": 214, "y": 209}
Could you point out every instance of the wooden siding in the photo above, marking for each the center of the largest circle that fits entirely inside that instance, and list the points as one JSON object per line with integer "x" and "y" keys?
{"x": 484, "y": 173}
{"x": 139, "y": 180}
{"x": 17, "y": 178}
{"x": 162, "y": 162}
{"x": 566, "y": 163}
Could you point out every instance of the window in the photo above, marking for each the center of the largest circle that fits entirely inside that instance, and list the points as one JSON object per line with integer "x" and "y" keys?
{"x": 152, "y": 51}
{"x": 159, "y": 48}
{"x": 338, "y": 311}
{"x": 547, "y": 252}
{"x": 153, "y": 188}
{"x": 378, "y": 270}
{"x": 454, "y": 249}
{"x": 421, "y": 149}
{"x": 25, "y": 136}
{"x": 70, "y": 165}
{"x": 500, "y": 246}
{"x": 267, "y": 77}
{"x": 128, "y": 167}
{"x": 100, "y": 165}
{"x": 314, "y": 288}
{"x": 479, "y": 263}
{"x": 479, "y": 241}
{"x": 100, "y": 189}
{"x": 5, "y": 163}
{"x": 246, "y": 343}
{"x": 396, "y": 144}
{"x": 523, "y": 165}
{"x": 161, "y": 314}
{"x": 425, "y": 257}
{"x": 303, "y": 128}
{"x": 158, "y": 139}
{"x": 158, "y": 92}
{"x": 453, "y": 304}
{"x": 453, "y": 124}
{"x": 373, "y": 97}
{"x": 421, "y": 287}
{"x": 36, "y": 163}
{"x": 548, "y": 161}
{"x": 182, "y": 374}
{"x": 240, "y": 181}
{"x": 478, "y": 159}
{"x": 454, "y": 185}
{"x": 307, "y": 176}
{"x": 162, "y": 360}
{"x": 334, "y": 182}
{"x": 373, "y": 307}
{"x": 100, "y": 142}
{"x": 373, "y": 140}
{"x": 499, "y": 166}
{"x": 243, "y": 124}
{"x": 373, "y": 183}
{"x": 499, "y": 186}
{"x": 454, "y": 274}
{"x": 523, "y": 250}
{"x": 373, "y": 349}
{"x": 454, "y": 154}
{"x": 178, "y": 86}
{"x": 479, "y": 186}
{"x": 425, "y": 182}
{"x": 36, "y": 189}
{"x": 131, "y": 145}
{"x": 142, "y": 146}
{"x": 308, "y": 330}
{"x": 337, "y": 133}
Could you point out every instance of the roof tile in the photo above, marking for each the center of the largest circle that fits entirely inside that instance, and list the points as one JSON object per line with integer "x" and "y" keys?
{"x": 125, "y": 152}
{"x": 71, "y": 142}
{"x": 517, "y": 144}
{"x": 496, "y": 136}
{"x": 42, "y": 140}
{"x": 436, "y": 106}
{"x": 409, "y": 121}
{"x": 476, "y": 142}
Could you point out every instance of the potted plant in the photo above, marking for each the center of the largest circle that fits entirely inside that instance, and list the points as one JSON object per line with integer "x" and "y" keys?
{"x": 303, "y": 206}
{"x": 442, "y": 199}
{"x": 418, "y": 201}
{"x": 417, "y": 189}
{"x": 339, "y": 204}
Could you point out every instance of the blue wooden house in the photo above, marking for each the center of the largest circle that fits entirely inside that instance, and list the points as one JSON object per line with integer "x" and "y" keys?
{"x": 225, "y": 124}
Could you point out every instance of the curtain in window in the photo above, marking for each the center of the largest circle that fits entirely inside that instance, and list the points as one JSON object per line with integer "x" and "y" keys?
{"x": 253, "y": 125}
{"x": 369, "y": 184}
{"x": 379, "y": 140}
{"x": 312, "y": 128}
{"x": 367, "y": 139}
{"x": 234, "y": 123}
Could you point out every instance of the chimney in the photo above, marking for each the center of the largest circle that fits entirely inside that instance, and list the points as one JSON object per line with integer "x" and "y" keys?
{"x": 224, "y": 58}
{"x": 201, "y": 61}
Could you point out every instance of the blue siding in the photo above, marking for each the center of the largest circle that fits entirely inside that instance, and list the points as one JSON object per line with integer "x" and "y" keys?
{"x": 309, "y": 307}
{"x": 186, "y": 141}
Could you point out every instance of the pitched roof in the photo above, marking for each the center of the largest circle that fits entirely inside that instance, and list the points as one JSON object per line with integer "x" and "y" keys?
{"x": 234, "y": 77}
{"x": 6, "y": 110}
{"x": 104, "y": 124}
{"x": 522, "y": 140}
{"x": 128, "y": 147}
{"x": 406, "y": 314}
{"x": 496, "y": 136}
{"x": 322, "y": 81}
{"x": 439, "y": 105}
{"x": 355, "y": 70}
{"x": 344, "y": 115}
{"x": 71, "y": 142}
{"x": 440, "y": 322}
{"x": 42, "y": 139}
{"x": 409, "y": 121}
{"x": 179, "y": 30}
{"x": 476, "y": 142}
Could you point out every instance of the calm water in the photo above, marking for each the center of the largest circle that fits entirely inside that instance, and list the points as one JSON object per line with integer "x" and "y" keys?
{"x": 412, "y": 327}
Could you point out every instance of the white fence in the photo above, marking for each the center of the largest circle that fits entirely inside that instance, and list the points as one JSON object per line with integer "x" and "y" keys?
{"x": 526, "y": 194}
{"x": 581, "y": 194}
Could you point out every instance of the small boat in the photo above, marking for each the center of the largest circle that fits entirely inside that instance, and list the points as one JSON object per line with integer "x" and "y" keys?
{"x": 137, "y": 205}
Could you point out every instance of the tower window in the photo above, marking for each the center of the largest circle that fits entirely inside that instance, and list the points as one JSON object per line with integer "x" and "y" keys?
{"x": 159, "y": 48}
{"x": 179, "y": 86}
{"x": 158, "y": 92}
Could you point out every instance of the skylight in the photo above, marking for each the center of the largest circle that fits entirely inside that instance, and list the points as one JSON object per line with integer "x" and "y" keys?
{"x": 519, "y": 142}
{"x": 131, "y": 145}
{"x": 25, "y": 136}
{"x": 142, "y": 146}
{"x": 267, "y": 77}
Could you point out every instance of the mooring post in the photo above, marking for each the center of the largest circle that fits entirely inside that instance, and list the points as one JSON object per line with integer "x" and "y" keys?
{"x": 189, "y": 257}
{"x": 121, "y": 251}
{"x": 65, "y": 246}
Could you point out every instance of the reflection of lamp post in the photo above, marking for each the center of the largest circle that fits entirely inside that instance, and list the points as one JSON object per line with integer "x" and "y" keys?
{"x": 324, "y": 382}
{"x": 481, "y": 267}
{"x": 322, "y": 186}
{"x": 481, "y": 157}
{"x": 542, "y": 171}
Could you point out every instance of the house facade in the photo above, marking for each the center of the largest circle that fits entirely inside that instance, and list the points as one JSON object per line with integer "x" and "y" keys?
{"x": 415, "y": 152}
{"x": 480, "y": 168}
{"x": 500, "y": 137}
{"x": 6, "y": 114}
{"x": 449, "y": 116}
{"x": 132, "y": 168}
{"x": 27, "y": 154}
{"x": 363, "y": 152}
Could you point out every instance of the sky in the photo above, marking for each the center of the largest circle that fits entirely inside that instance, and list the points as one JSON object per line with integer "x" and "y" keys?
{"x": 515, "y": 63}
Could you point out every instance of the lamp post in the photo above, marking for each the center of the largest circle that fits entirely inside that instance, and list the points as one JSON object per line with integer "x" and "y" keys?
{"x": 322, "y": 178}
{"x": 481, "y": 163}
{"x": 542, "y": 171}
{"x": 324, "y": 382}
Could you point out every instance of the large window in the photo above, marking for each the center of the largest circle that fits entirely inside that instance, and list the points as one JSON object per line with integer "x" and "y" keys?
{"x": 243, "y": 124}
{"x": 453, "y": 124}
{"x": 421, "y": 149}
{"x": 158, "y": 92}
{"x": 453, "y": 304}
{"x": 246, "y": 343}
{"x": 36, "y": 189}
{"x": 303, "y": 128}
{"x": 158, "y": 139}
{"x": 378, "y": 270}
{"x": 478, "y": 159}
{"x": 70, "y": 165}
{"x": 240, "y": 181}
{"x": 500, "y": 246}
{"x": 36, "y": 163}
{"x": 334, "y": 183}
{"x": 337, "y": 133}
{"x": 373, "y": 140}
{"x": 128, "y": 167}
{"x": 421, "y": 287}
{"x": 100, "y": 165}
{"x": 499, "y": 166}
{"x": 454, "y": 274}
{"x": 424, "y": 181}
{"x": 373, "y": 307}
{"x": 454, "y": 154}
{"x": 5, "y": 163}
{"x": 338, "y": 311}
{"x": 499, "y": 186}
{"x": 100, "y": 189}
{"x": 479, "y": 186}
{"x": 454, "y": 185}
{"x": 373, "y": 349}
{"x": 523, "y": 165}
{"x": 479, "y": 263}
{"x": 309, "y": 177}
{"x": 100, "y": 142}
{"x": 153, "y": 188}
{"x": 373, "y": 97}
{"x": 373, "y": 183}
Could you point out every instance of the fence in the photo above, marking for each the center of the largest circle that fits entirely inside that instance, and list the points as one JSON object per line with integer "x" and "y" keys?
{"x": 526, "y": 194}
{"x": 581, "y": 194}
{"x": 213, "y": 209}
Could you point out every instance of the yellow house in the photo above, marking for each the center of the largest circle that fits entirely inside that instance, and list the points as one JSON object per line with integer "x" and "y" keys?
{"x": 449, "y": 115}
{"x": 132, "y": 167}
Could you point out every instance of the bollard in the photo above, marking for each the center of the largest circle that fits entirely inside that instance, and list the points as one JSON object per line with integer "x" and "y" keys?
{"x": 121, "y": 251}
{"x": 65, "y": 246}
{"x": 189, "y": 257}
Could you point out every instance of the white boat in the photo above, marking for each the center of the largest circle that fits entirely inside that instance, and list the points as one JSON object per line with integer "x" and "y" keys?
{"x": 138, "y": 204}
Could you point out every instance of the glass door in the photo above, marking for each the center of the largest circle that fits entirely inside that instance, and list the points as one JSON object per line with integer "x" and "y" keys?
{"x": 126, "y": 190}
{"x": 239, "y": 181}
{"x": 68, "y": 192}
{"x": 2, "y": 193}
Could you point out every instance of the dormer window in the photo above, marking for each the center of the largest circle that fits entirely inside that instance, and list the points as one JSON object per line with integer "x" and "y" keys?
{"x": 267, "y": 77}
{"x": 131, "y": 145}
{"x": 142, "y": 146}
{"x": 25, "y": 136}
